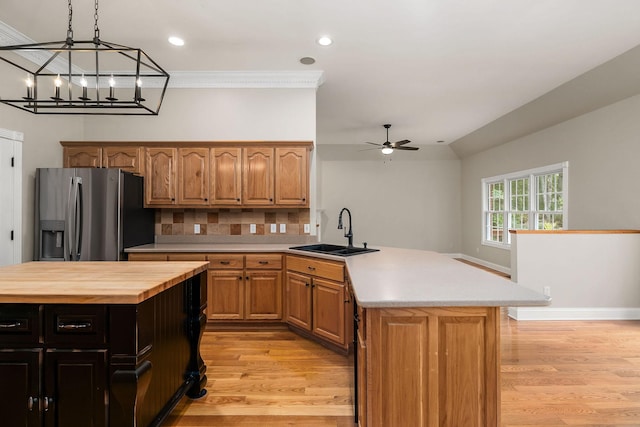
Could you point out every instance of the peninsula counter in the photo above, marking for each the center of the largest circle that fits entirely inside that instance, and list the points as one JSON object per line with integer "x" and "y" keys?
{"x": 427, "y": 332}
{"x": 99, "y": 343}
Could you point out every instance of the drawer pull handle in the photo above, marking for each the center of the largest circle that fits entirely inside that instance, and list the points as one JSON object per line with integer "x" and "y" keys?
{"x": 11, "y": 324}
{"x": 74, "y": 326}
{"x": 263, "y": 262}
{"x": 31, "y": 402}
{"x": 311, "y": 268}
{"x": 225, "y": 262}
{"x": 46, "y": 402}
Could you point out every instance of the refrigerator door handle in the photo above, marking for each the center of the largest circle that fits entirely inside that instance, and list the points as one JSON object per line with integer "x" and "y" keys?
{"x": 78, "y": 219}
{"x": 69, "y": 221}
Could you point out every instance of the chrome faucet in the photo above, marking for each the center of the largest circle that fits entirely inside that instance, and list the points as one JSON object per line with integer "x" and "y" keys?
{"x": 347, "y": 234}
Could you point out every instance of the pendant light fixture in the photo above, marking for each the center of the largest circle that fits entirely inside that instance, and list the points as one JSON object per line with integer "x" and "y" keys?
{"x": 82, "y": 77}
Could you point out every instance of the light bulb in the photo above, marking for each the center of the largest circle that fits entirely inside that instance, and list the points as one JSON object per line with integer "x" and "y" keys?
{"x": 139, "y": 82}
{"x": 112, "y": 81}
{"x": 83, "y": 81}
{"x": 58, "y": 81}
{"x": 29, "y": 81}
{"x": 387, "y": 150}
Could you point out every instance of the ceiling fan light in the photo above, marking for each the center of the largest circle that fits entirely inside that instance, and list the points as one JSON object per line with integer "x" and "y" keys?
{"x": 387, "y": 150}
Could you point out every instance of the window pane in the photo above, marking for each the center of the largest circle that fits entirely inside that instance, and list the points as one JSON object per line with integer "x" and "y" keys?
{"x": 549, "y": 188}
{"x": 549, "y": 221}
{"x": 519, "y": 194}
{"x": 495, "y": 229}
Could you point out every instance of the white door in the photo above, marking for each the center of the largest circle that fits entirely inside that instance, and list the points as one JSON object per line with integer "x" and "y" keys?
{"x": 10, "y": 197}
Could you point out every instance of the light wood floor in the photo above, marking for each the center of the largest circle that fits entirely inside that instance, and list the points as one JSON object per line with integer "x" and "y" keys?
{"x": 553, "y": 374}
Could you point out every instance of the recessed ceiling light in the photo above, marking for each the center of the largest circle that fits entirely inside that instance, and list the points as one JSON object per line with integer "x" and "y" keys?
{"x": 176, "y": 41}
{"x": 307, "y": 60}
{"x": 325, "y": 41}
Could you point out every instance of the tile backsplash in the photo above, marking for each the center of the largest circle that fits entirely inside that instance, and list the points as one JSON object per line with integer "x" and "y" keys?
{"x": 230, "y": 222}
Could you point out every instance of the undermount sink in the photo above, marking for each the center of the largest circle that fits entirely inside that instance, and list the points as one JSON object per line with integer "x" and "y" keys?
{"x": 326, "y": 248}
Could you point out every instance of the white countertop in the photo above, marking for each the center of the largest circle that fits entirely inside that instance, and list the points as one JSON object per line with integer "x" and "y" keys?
{"x": 396, "y": 277}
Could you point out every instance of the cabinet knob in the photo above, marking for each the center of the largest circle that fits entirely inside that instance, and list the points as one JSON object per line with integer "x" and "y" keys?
{"x": 247, "y": 277}
{"x": 237, "y": 200}
{"x": 173, "y": 200}
{"x": 306, "y": 284}
{"x": 46, "y": 402}
{"x": 304, "y": 199}
{"x": 240, "y": 278}
{"x": 206, "y": 200}
{"x": 311, "y": 268}
{"x": 31, "y": 403}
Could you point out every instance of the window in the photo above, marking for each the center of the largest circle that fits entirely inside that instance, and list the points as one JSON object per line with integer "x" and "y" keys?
{"x": 529, "y": 200}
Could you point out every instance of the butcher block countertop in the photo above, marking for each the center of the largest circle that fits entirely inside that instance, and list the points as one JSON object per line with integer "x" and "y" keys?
{"x": 396, "y": 277}
{"x": 87, "y": 282}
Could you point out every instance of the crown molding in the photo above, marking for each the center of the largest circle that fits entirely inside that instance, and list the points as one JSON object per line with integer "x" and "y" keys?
{"x": 9, "y": 36}
{"x": 11, "y": 135}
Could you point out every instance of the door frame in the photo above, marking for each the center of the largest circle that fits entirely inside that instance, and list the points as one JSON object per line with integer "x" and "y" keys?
{"x": 16, "y": 139}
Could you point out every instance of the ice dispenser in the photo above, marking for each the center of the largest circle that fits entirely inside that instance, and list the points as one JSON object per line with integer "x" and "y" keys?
{"x": 51, "y": 240}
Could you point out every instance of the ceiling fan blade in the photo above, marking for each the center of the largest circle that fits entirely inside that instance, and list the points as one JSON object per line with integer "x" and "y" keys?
{"x": 396, "y": 144}
{"x": 407, "y": 148}
{"x": 373, "y": 143}
{"x": 369, "y": 149}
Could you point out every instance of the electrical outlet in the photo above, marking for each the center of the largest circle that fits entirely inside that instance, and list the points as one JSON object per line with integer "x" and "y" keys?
{"x": 283, "y": 228}
{"x": 252, "y": 228}
{"x": 546, "y": 291}
{"x": 196, "y": 228}
{"x": 307, "y": 228}
{"x": 274, "y": 229}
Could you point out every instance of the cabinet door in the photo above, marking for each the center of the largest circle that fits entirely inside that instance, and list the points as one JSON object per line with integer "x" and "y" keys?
{"x": 160, "y": 176}
{"x": 20, "y": 390}
{"x": 328, "y": 310}
{"x": 263, "y": 295}
{"x": 82, "y": 157}
{"x": 125, "y": 158}
{"x": 226, "y": 176}
{"x": 225, "y": 295}
{"x": 292, "y": 176}
{"x": 298, "y": 300}
{"x": 193, "y": 176}
{"x": 257, "y": 177}
{"x": 75, "y": 388}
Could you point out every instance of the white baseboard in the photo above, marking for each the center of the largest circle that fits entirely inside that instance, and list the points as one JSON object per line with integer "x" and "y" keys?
{"x": 574, "y": 313}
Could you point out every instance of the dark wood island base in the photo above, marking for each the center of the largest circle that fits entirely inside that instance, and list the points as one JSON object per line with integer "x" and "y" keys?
{"x": 88, "y": 364}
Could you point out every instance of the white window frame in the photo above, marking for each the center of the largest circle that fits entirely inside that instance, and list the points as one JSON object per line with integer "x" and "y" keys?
{"x": 531, "y": 174}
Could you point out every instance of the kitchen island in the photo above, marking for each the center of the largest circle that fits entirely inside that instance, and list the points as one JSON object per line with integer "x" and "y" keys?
{"x": 428, "y": 331}
{"x": 99, "y": 343}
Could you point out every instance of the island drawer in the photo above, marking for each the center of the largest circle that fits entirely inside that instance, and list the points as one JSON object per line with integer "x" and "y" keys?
{"x": 75, "y": 325}
{"x": 226, "y": 261}
{"x": 20, "y": 323}
{"x": 315, "y": 267}
{"x": 264, "y": 261}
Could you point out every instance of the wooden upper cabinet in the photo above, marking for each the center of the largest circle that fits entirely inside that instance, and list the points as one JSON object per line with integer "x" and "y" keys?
{"x": 129, "y": 159}
{"x": 257, "y": 177}
{"x": 82, "y": 157}
{"x": 160, "y": 176}
{"x": 193, "y": 176}
{"x": 292, "y": 176}
{"x": 226, "y": 176}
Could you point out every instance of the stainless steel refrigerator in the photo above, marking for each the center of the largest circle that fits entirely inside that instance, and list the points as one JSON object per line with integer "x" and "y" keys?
{"x": 87, "y": 214}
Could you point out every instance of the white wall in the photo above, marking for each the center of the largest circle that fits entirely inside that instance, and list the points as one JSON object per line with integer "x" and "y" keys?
{"x": 186, "y": 115}
{"x": 602, "y": 148}
{"x": 589, "y": 276}
{"x": 412, "y": 201}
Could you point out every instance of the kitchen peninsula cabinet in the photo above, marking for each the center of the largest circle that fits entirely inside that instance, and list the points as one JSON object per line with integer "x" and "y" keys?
{"x": 114, "y": 351}
{"x": 316, "y": 299}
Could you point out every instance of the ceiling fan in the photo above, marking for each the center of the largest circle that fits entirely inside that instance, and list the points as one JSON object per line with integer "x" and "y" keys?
{"x": 388, "y": 147}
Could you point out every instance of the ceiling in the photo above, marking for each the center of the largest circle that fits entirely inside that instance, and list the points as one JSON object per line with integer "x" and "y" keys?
{"x": 438, "y": 70}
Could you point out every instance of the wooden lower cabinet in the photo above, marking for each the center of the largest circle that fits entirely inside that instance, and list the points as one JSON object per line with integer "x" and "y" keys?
{"x": 253, "y": 292}
{"x": 316, "y": 299}
{"x": 435, "y": 367}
